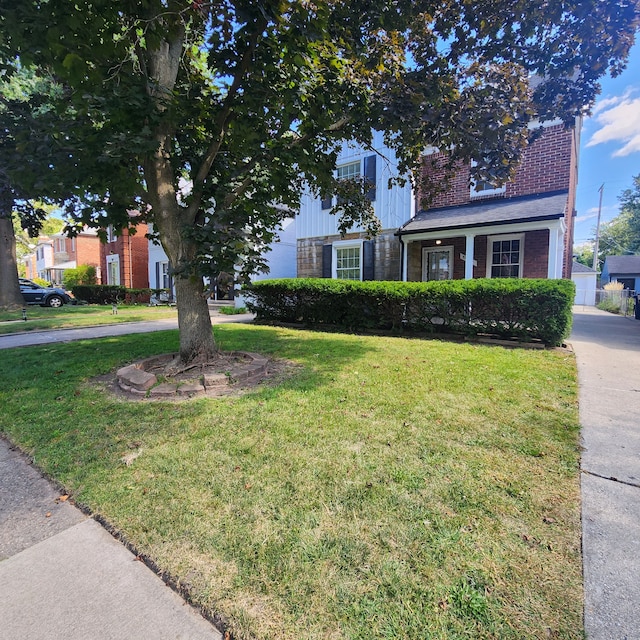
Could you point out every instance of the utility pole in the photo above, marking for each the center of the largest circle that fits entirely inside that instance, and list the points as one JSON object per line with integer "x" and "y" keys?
{"x": 595, "y": 246}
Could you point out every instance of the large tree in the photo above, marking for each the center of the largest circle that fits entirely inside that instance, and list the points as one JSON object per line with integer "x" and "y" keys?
{"x": 621, "y": 235}
{"x": 25, "y": 114}
{"x": 209, "y": 117}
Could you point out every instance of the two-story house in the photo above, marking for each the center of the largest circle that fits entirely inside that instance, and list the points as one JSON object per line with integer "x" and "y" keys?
{"x": 521, "y": 229}
{"x": 55, "y": 254}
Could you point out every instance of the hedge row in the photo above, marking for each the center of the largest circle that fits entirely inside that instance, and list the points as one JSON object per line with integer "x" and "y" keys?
{"x": 525, "y": 309}
{"x": 110, "y": 294}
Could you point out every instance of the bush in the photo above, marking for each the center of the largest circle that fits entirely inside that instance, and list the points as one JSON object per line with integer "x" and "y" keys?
{"x": 509, "y": 308}
{"x": 84, "y": 274}
{"x": 100, "y": 293}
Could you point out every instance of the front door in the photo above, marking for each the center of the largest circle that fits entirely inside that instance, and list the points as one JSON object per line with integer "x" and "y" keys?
{"x": 437, "y": 263}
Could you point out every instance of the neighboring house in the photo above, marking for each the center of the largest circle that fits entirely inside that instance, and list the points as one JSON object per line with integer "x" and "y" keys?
{"x": 281, "y": 259}
{"x": 522, "y": 229}
{"x": 322, "y": 252}
{"x": 55, "y": 254}
{"x": 624, "y": 269}
{"x": 585, "y": 279}
{"x": 158, "y": 271}
{"x": 124, "y": 258}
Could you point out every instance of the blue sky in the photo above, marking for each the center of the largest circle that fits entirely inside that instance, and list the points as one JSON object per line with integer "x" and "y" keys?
{"x": 610, "y": 148}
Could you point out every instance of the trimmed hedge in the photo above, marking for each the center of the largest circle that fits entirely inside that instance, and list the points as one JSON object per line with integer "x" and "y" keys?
{"x": 110, "y": 294}
{"x": 526, "y": 309}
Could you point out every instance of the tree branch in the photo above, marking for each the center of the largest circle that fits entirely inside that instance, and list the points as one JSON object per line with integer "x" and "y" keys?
{"x": 223, "y": 116}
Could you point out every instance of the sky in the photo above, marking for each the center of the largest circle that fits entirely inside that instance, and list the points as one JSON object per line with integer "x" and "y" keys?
{"x": 609, "y": 149}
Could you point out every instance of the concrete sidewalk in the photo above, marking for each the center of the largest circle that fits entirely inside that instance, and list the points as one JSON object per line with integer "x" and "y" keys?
{"x": 63, "y": 577}
{"x": 31, "y": 338}
{"x": 607, "y": 350}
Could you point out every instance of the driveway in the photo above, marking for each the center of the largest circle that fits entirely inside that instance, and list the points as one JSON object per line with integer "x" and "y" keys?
{"x": 607, "y": 351}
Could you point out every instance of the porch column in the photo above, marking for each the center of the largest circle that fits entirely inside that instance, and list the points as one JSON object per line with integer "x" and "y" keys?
{"x": 405, "y": 254}
{"x": 468, "y": 264}
{"x": 553, "y": 254}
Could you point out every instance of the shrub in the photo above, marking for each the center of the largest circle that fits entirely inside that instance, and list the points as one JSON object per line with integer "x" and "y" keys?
{"x": 510, "y": 308}
{"x": 100, "y": 293}
{"x": 83, "y": 274}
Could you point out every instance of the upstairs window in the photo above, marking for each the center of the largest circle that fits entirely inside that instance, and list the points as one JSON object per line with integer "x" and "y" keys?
{"x": 353, "y": 171}
{"x": 349, "y": 171}
{"x": 481, "y": 188}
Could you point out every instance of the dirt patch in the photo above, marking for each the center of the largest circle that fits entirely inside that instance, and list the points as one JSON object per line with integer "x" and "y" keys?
{"x": 231, "y": 374}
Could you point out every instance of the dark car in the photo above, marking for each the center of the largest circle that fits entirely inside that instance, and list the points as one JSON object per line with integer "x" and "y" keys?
{"x": 44, "y": 296}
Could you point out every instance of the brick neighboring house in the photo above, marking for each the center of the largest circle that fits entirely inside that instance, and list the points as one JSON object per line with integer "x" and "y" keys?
{"x": 523, "y": 229}
{"x": 55, "y": 254}
{"x": 124, "y": 258}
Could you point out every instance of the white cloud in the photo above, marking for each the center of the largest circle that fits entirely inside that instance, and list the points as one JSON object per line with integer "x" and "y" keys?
{"x": 618, "y": 119}
{"x": 590, "y": 214}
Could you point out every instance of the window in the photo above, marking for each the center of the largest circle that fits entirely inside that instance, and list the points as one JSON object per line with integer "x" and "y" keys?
{"x": 60, "y": 245}
{"x": 505, "y": 256}
{"x": 348, "y": 171}
{"x": 113, "y": 269}
{"x": 437, "y": 263}
{"x": 111, "y": 235}
{"x": 484, "y": 187}
{"x": 163, "y": 276}
{"x": 347, "y": 259}
{"x": 353, "y": 171}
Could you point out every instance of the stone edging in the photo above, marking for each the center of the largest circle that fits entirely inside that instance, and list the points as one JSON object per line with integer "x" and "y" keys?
{"x": 138, "y": 380}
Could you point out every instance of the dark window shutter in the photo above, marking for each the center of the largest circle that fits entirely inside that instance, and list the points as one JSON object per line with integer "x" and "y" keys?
{"x": 326, "y": 203}
{"x": 368, "y": 271}
{"x": 370, "y": 176}
{"x": 158, "y": 275}
{"x": 327, "y": 253}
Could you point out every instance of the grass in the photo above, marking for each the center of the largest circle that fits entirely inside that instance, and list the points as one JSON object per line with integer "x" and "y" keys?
{"x": 392, "y": 488}
{"x": 70, "y": 316}
{"x": 232, "y": 311}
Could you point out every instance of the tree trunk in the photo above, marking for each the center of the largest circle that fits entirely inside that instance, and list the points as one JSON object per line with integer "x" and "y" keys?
{"x": 10, "y": 296}
{"x": 194, "y": 322}
{"x": 171, "y": 219}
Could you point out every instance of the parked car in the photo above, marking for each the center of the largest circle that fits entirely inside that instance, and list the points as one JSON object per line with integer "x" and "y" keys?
{"x": 44, "y": 296}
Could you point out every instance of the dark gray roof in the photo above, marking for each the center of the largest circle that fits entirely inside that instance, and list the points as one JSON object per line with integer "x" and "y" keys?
{"x": 623, "y": 265}
{"x": 548, "y": 206}
{"x": 578, "y": 267}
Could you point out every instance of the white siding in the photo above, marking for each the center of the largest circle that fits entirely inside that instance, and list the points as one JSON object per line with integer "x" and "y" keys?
{"x": 392, "y": 206}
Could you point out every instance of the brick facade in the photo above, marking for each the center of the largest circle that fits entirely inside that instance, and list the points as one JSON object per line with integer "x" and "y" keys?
{"x": 548, "y": 164}
{"x": 133, "y": 252}
{"x": 536, "y": 249}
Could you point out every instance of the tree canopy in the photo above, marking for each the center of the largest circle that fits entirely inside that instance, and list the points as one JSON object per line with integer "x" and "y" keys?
{"x": 208, "y": 118}
{"x": 621, "y": 236}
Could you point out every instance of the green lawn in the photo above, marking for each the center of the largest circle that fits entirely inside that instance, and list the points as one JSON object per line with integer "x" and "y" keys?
{"x": 70, "y": 316}
{"x": 391, "y": 488}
